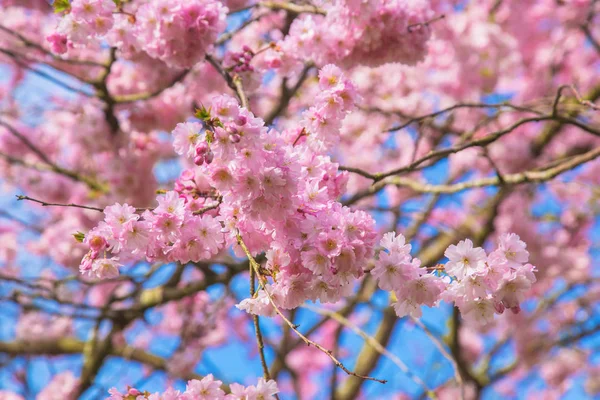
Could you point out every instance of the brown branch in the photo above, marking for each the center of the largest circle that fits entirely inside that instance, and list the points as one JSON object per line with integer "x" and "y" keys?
{"x": 64, "y": 346}
{"x": 292, "y": 8}
{"x": 438, "y": 154}
{"x": 91, "y": 183}
{"x": 45, "y": 204}
{"x": 210, "y": 207}
{"x": 130, "y": 98}
{"x": 29, "y": 43}
{"x": 287, "y": 94}
{"x": 533, "y": 176}
{"x": 239, "y": 89}
{"x": 102, "y": 88}
{"x": 23, "y": 62}
{"x": 228, "y": 35}
{"x": 459, "y": 106}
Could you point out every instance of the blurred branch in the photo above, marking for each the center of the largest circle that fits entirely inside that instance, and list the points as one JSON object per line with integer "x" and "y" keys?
{"x": 147, "y": 96}
{"x": 91, "y": 183}
{"x": 532, "y": 176}
{"x": 44, "y": 204}
{"x": 291, "y": 7}
{"x": 287, "y": 94}
{"x": 64, "y": 346}
{"x": 371, "y": 341}
{"x": 30, "y": 44}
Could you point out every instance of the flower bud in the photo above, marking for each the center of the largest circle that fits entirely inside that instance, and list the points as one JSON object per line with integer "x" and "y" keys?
{"x": 235, "y": 138}
{"x": 241, "y": 120}
{"x": 199, "y": 160}
{"x": 209, "y": 156}
{"x": 499, "y": 307}
{"x": 201, "y": 148}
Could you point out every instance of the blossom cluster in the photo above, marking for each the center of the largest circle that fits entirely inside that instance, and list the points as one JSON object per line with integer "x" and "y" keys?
{"x": 169, "y": 232}
{"x": 488, "y": 284}
{"x": 337, "y": 96}
{"x": 267, "y": 188}
{"x": 368, "y": 33}
{"x": 206, "y": 388}
{"x": 277, "y": 193}
{"x": 179, "y": 32}
{"x": 397, "y": 271}
{"x": 479, "y": 284}
{"x": 281, "y": 199}
{"x": 86, "y": 20}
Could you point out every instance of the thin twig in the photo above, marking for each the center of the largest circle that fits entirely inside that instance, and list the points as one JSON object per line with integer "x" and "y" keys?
{"x": 45, "y": 204}
{"x": 91, "y": 183}
{"x": 370, "y": 340}
{"x": 29, "y": 43}
{"x": 440, "y": 346}
{"x": 257, "y": 331}
{"x": 306, "y": 340}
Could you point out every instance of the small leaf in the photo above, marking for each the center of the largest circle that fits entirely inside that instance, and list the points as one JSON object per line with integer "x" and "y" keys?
{"x": 79, "y": 236}
{"x": 61, "y": 6}
{"x": 203, "y": 113}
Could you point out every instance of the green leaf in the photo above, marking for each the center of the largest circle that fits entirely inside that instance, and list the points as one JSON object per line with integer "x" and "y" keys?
{"x": 61, "y": 6}
{"x": 79, "y": 236}
{"x": 202, "y": 113}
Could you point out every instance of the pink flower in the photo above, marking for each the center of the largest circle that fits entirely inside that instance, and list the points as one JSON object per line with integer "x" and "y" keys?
{"x": 423, "y": 290}
{"x": 264, "y": 390}
{"x": 511, "y": 250}
{"x": 171, "y": 203}
{"x": 392, "y": 270}
{"x": 479, "y": 312}
{"x": 117, "y": 216}
{"x": 395, "y": 244}
{"x": 512, "y": 289}
{"x": 58, "y": 43}
{"x": 464, "y": 260}
{"x": 106, "y": 268}
{"x": 317, "y": 262}
{"x": 61, "y": 387}
{"x": 186, "y": 136}
{"x": 6, "y": 395}
{"x": 206, "y": 389}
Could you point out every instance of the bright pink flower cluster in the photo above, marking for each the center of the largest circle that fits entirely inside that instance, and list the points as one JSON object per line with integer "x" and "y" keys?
{"x": 369, "y": 33}
{"x": 206, "y": 388}
{"x": 481, "y": 284}
{"x": 86, "y": 20}
{"x": 397, "y": 271}
{"x": 488, "y": 284}
{"x": 269, "y": 188}
{"x": 179, "y": 32}
{"x": 337, "y": 96}
{"x": 36, "y": 325}
{"x": 169, "y": 232}
{"x": 278, "y": 195}
{"x": 62, "y": 387}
